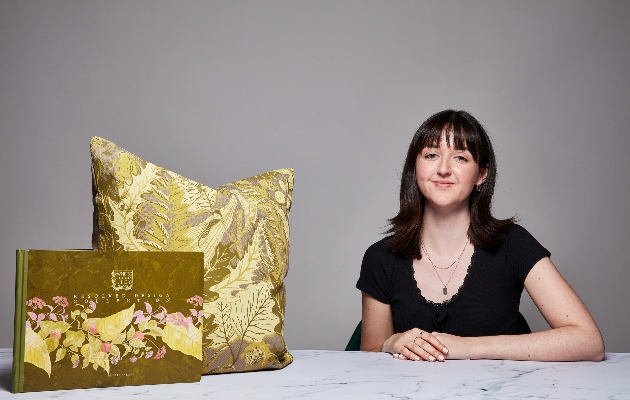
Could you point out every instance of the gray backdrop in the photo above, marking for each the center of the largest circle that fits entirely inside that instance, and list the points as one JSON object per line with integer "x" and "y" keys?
{"x": 219, "y": 91}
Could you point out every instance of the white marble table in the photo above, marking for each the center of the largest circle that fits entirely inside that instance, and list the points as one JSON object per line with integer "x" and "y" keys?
{"x": 355, "y": 375}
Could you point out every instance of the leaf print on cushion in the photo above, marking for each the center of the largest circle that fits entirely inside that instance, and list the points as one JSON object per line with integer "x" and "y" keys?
{"x": 110, "y": 327}
{"x": 209, "y": 234}
{"x": 127, "y": 167}
{"x": 201, "y": 198}
{"x": 254, "y": 319}
{"x": 241, "y": 227}
{"x": 256, "y": 353}
{"x": 222, "y": 332}
{"x": 221, "y": 270}
{"x": 160, "y": 220}
{"x": 35, "y": 351}
{"x": 241, "y": 275}
{"x": 249, "y": 318}
{"x": 122, "y": 220}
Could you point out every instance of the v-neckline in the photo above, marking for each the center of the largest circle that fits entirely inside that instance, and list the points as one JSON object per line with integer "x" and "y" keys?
{"x": 459, "y": 289}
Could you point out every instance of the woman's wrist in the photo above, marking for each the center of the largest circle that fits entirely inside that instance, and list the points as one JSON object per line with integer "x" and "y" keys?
{"x": 479, "y": 347}
{"x": 386, "y": 347}
{"x": 474, "y": 348}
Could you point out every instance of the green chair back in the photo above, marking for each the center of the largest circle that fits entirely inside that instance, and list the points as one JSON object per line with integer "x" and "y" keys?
{"x": 355, "y": 340}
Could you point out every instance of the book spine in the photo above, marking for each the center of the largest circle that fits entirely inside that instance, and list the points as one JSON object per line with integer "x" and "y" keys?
{"x": 21, "y": 273}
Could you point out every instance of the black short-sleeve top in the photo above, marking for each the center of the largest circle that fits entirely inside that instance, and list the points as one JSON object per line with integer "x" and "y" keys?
{"x": 486, "y": 304}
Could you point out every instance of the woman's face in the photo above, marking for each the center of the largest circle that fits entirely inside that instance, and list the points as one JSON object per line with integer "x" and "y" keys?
{"x": 446, "y": 176}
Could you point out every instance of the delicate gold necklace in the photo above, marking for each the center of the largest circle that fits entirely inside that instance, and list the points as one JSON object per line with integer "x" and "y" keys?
{"x": 456, "y": 263}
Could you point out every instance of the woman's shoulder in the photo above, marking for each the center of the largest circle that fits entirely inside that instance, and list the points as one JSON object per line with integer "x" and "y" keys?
{"x": 379, "y": 253}
{"x": 378, "y": 271}
{"x": 379, "y": 249}
{"x": 519, "y": 240}
{"x": 515, "y": 237}
{"x": 518, "y": 232}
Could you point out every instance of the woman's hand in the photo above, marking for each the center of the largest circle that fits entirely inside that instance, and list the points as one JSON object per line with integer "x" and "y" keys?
{"x": 459, "y": 347}
{"x": 416, "y": 345}
{"x": 377, "y": 334}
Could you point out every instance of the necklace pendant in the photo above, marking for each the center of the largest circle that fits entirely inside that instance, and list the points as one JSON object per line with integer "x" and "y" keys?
{"x": 444, "y": 291}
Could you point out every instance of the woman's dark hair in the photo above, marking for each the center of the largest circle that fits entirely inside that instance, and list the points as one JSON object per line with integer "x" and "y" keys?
{"x": 466, "y": 133}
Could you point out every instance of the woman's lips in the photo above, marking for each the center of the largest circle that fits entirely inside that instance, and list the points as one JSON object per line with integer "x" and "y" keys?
{"x": 443, "y": 184}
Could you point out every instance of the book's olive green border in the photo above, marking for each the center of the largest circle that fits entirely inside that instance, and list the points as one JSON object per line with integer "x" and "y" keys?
{"x": 21, "y": 272}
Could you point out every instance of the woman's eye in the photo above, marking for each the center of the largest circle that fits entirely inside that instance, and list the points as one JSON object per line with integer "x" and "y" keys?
{"x": 461, "y": 159}
{"x": 430, "y": 156}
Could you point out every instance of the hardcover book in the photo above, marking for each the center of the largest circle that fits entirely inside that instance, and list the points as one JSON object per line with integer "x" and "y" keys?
{"x": 88, "y": 319}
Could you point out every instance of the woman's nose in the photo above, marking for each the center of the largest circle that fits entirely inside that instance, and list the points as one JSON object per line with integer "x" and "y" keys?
{"x": 444, "y": 168}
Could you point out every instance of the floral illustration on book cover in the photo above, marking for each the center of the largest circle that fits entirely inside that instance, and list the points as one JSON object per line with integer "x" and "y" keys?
{"x": 59, "y": 333}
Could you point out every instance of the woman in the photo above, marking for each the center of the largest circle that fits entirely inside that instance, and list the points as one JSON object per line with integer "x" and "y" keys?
{"x": 447, "y": 283}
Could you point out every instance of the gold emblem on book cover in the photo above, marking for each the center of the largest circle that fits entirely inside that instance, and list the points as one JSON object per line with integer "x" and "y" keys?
{"x": 122, "y": 279}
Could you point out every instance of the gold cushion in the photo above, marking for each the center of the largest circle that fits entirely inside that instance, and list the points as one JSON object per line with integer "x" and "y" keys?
{"x": 242, "y": 228}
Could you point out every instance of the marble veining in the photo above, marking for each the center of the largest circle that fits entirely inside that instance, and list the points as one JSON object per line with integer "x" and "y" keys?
{"x": 316, "y": 374}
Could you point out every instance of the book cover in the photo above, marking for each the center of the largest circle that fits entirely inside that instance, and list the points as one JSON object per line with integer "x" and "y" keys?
{"x": 88, "y": 319}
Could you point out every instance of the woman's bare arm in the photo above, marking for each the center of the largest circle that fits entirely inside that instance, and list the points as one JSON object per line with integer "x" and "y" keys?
{"x": 573, "y": 336}
{"x": 377, "y": 324}
{"x": 377, "y": 334}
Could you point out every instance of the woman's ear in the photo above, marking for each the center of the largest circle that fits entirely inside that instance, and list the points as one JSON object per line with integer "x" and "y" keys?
{"x": 483, "y": 173}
